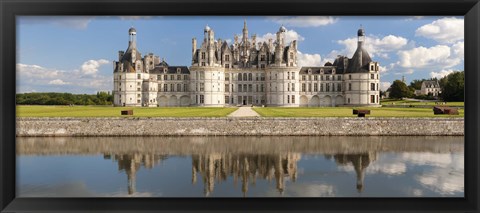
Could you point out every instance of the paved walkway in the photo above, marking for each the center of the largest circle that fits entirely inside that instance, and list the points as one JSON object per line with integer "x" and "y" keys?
{"x": 244, "y": 112}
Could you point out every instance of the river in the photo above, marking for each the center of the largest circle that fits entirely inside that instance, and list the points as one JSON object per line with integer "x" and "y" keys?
{"x": 307, "y": 166}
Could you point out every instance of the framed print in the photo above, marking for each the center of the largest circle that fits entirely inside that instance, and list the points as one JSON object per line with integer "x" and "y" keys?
{"x": 270, "y": 106}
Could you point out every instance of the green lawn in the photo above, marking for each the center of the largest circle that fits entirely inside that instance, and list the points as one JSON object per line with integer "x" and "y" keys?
{"x": 347, "y": 112}
{"x": 108, "y": 111}
{"x": 418, "y": 103}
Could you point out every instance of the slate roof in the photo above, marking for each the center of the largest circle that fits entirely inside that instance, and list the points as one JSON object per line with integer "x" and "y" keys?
{"x": 170, "y": 70}
{"x": 316, "y": 70}
{"x": 359, "y": 61}
{"x": 429, "y": 84}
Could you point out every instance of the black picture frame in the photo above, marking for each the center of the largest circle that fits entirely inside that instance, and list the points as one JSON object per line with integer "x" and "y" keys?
{"x": 9, "y": 9}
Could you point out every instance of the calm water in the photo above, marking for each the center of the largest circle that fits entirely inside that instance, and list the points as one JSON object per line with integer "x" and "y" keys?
{"x": 241, "y": 166}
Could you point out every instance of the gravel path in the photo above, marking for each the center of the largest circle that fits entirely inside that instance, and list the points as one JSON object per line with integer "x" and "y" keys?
{"x": 244, "y": 112}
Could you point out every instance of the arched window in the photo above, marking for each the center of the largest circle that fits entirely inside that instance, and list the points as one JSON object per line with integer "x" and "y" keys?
{"x": 239, "y": 76}
{"x": 250, "y": 76}
{"x": 244, "y": 76}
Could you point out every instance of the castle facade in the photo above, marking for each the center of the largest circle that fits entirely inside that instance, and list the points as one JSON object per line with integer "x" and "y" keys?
{"x": 246, "y": 72}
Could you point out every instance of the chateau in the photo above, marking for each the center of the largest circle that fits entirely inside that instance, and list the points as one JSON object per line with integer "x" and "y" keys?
{"x": 246, "y": 72}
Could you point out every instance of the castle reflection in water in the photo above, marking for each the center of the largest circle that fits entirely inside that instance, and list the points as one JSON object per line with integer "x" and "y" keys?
{"x": 214, "y": 161}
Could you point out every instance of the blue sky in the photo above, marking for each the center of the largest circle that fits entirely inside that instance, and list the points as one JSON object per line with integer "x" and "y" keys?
{"x": 75, "y": 54}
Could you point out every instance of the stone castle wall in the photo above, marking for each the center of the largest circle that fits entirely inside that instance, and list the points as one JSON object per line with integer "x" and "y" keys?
{"x": 237, "y": 126}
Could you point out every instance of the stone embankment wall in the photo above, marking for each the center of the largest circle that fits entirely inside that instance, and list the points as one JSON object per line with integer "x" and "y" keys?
{"x": 237, "y": 126}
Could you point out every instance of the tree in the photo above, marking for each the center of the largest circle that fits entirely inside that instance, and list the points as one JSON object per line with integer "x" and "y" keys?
{"x": 399, "y": 90}
{"x": 453, "y": 86}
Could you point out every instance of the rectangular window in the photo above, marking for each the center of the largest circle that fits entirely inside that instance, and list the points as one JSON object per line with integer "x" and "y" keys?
{"x": 244, "y": 88}
{"x": 309, "y": 77}
{"x": 328, "y": 87}
{"x": 262, "y": 66}
{"x": 227, "y": 77}
{"x": 172, "y": 77}
{"x": 227, "y": 66}
{"x": 139, "y": 76}
{"x": 288, "y": 87}
{"x": 293, "y": 75}
{"x": 165, "y": 77}
{"x": 261, "y": 88}
{"x": 339, "y": 87}
{"x": 185, "y": 77}
{"x": 262, "y": 57}
{"x": 179, "y": 77}
{"x": 159, "y": 77}
{"x": 165, "y": 88}
{"x": 315, "y": 77}
{"x": 179, "y": 87}
{"x": 201, "y": 99}
{"x": 202, "y": 86}
{"x": 293, "y": 99}
{"x": 239, "y": 88}
{"x": 372, "y": 99}
{"x": 288, "y": 99}
{"x": 304, "y": 77}
{"x": 321, "y": 87}
{"x": 227, "y": 58}
{"x": 372, "y": 76}
{"x": 256, "y": 90}
{"x": 227, "y": 99}
{"x": 202, "y": 75}
{"x": 185, "y": 87}
{"x": 303, "y": 87}
{"x": 321, "y": 77}
{"x": 339, "y": 77}
{"x": 293, "y": 87}
{"x": 379, "y": 89}
{"x": 309, "y": 87}
{"x": 372, "y": 86}
{"x": 349, "y": 86}
{"x": 203, "y": 55}
{"x": 315, "y": 87}
{"x": 288, "y": 75}
{"x": 172, "y": 88}
{"x": 349, "y": 77}
{"x": 250, "y": 88}
{"x": 327, "y": 78}
{"x": 203, "y": 64}
{"x": 227, "y": 88}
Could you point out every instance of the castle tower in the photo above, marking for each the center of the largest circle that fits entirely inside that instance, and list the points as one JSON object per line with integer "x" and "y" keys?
{"x": 361, "y": 77}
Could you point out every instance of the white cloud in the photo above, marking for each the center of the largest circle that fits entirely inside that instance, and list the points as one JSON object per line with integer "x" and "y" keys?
{"x": 413, "y": 18}
{"x": 385, "y": 85}
{"x": 36, "y": 71}
{"x": 135, "y": 17}
{"x": 440, "y": 74}
{"x": 375, "y": 46}
{"x": 74, "y": 22}
{"x": 304, "y": 59}
{"x": 303, "y": 21}
{"x": 445, "y": 30}
{"x": 58, "y": 82}
{"x": 91, "y": 66}
{"x": 439, "y": 56}
{"x": 42, "y": 79}
{"x": 290, "y": 35}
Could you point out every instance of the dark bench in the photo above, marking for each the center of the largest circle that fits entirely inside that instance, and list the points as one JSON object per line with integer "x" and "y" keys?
{"x": 445, "y": 111}
{"x": 361, "y": 112}
{"x": 127, "y": 112}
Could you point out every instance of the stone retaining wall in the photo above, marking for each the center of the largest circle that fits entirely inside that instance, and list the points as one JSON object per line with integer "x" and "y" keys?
{"x": 237, "y": 126}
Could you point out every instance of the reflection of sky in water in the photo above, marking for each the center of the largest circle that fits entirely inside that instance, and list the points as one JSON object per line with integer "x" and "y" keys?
{"x": 385, "y": 171}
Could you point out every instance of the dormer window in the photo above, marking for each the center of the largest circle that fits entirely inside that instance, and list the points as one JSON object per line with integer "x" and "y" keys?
{"x": 321, "y": 71}
{"x": 179, "y": 70}
{"x": 164, "y": 70}
{"x": 333, "y": 71}
{"x": 309, "y": 71}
